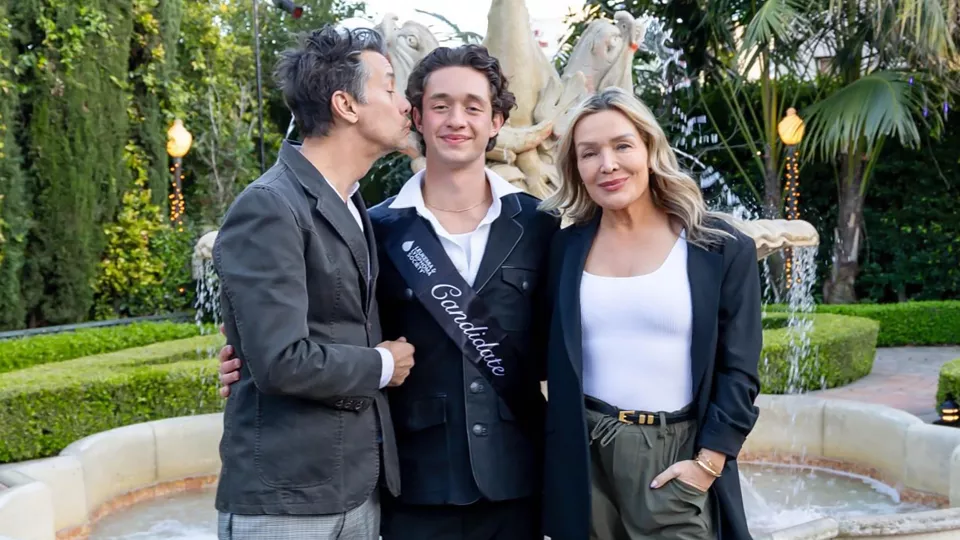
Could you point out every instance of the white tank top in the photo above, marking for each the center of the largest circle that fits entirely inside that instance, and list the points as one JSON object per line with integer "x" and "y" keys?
{"x": 636, "y": 337}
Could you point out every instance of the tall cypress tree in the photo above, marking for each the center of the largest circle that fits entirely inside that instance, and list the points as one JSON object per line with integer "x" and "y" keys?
{"x": 152, "y": 67}
{"x": 13, "y": 210}
{"x": 77, "y": 129}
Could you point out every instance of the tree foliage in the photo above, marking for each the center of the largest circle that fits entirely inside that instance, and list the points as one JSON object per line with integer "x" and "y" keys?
{"x": 88, "y": 89}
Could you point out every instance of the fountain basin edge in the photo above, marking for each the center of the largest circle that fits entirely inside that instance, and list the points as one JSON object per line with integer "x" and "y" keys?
{"x": 105, "y": 472}
{"x": 64, "y": 496}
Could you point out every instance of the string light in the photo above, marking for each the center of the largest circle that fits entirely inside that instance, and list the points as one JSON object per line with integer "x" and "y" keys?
{"x": 177, "y": 204}
{"x": 792, "y": 207}
{"x": 791, "y": 129}
{"x": 178, "y": 144}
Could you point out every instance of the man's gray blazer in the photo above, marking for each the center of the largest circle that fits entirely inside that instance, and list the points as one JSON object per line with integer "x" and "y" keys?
{"x": 297, "y": 293}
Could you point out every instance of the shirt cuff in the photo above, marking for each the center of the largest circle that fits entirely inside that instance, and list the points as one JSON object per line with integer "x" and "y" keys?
{"x": 386, "y": 372}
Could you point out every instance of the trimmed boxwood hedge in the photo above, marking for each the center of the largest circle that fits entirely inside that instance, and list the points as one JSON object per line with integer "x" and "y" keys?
{"x": 35, "y": 350}
{"x": 949, "y": 382}
{"x": 906, "y": 323}
{"x": 841, "y": 351}
{"x": 47, "y": 407}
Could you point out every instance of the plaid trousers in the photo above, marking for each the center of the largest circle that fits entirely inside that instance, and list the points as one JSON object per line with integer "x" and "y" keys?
{"x": 361, "y": 523}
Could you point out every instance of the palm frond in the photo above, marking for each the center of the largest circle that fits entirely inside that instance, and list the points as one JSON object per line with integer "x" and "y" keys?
{"x": 463, "y": 35}
{"x": 776, "y": 20}
{"x": 932, "y": 24}
{"x": 929, "y": 26}
{"x": 881, "y": 104}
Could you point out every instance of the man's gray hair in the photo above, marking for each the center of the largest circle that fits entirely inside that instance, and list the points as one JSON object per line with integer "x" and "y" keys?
{"x": 325, "y": 61}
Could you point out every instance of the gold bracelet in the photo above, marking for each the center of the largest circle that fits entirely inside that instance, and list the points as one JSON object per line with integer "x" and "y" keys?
{"x": 707, "y": 468}
{"x": 706, "y": 460}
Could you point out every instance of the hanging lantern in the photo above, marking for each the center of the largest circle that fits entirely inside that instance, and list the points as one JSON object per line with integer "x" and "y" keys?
{"x": 178, "y": 140}
{"x": 791, "y": 128}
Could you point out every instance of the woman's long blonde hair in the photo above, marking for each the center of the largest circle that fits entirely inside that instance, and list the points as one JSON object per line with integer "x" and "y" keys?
{"x": 673, "y": 190}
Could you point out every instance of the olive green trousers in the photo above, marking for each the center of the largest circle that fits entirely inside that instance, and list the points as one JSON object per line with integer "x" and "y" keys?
{"x": 624, "y": 459}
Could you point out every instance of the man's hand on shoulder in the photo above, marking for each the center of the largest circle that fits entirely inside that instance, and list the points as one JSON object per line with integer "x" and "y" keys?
{"x": 402, "y": 353}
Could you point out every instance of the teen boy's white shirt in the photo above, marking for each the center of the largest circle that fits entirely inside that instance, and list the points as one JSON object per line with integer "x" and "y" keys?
{"x": 464, "y": 250}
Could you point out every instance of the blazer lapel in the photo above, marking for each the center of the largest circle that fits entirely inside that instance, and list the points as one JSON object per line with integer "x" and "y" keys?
{"x": 332, "y": 209}
{"x": 371, "y": 247}
{"x": 704, "y": 272}
{"x": 505, "y": 234}
{"x": 571, "y": 274}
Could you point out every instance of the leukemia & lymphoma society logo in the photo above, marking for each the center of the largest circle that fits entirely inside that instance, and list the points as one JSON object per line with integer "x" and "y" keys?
{"x": 419, "y": 259}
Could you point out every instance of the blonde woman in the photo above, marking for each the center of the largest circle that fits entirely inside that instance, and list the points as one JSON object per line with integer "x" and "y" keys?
{"x": 655, "y": 339}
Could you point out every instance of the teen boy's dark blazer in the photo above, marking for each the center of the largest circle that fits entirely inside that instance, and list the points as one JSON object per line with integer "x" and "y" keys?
{"x": 457, "y": 440}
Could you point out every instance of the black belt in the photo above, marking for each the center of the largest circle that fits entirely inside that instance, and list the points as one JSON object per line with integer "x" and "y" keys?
{"x": 639, "y": 418}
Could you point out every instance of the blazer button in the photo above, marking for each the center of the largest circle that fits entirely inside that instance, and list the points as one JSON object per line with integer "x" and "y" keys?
{"x": 525, "y": 285}
{"x": 408, "y": 294}
{"x": 479, "y": 430}
{"x": 476, "y": 387}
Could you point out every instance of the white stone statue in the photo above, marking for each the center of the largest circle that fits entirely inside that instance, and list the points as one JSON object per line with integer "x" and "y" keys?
{"x": 604, "y": 52}
{"x": 406, "y": 44}
{"x": 202, "y": 251}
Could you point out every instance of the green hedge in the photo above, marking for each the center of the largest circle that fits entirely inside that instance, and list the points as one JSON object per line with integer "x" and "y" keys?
{"x": 841, "y": 351}
{"x": 906, "y": 323}
{"x": 949, "y": 382}
{"x": 43, "y": 349}
{"x": 47, "y": 407}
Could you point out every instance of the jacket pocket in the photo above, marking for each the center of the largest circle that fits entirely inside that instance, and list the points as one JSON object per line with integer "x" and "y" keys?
{"x": 517, "y": 294}
{"x": 298, "y": 444}
{"x": 521, "y": 279}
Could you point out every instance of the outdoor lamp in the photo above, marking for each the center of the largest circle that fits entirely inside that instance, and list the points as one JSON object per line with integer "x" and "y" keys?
{"x": 178, "y": 139}
{"x": 178, "y": 144}
{"x": 949, "y": 412}
{"x": 790, "y": 130}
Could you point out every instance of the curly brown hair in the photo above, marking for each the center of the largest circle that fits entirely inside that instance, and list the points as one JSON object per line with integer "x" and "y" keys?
{"x": 471, "y": 56}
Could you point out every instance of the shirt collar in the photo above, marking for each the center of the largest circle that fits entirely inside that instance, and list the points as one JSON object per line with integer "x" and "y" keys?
{"x": 299, "y": 148}
{"x": 411, "y": 194}
{"x": 353, "y": 188}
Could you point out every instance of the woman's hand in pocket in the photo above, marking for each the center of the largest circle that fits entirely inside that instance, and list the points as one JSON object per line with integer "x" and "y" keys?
{"x": 692, "y": 473}
{"x": 686, "y": 471}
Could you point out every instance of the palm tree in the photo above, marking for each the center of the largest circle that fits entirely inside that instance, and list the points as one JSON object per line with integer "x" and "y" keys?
{"x": 896, "y": 63}
{"x": 894, "y": 66}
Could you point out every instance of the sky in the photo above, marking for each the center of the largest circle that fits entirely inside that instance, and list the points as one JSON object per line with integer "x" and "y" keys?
{"x": 545, "y": 15}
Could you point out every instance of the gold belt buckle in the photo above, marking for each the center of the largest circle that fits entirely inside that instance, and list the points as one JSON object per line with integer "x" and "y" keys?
{"x": 623, "y": 416}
